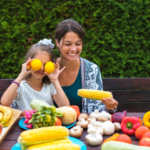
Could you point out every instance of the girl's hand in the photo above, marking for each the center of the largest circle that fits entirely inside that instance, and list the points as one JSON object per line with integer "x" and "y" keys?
{"x": 110, "y": 103}
{"x": 24, "y": 70}
{"x": 54, "y": 75}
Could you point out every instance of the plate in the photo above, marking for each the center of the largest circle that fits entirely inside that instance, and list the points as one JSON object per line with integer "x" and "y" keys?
{"x": 23, "y": 125}
{"x": 5, "y": 131}
{"x": 74, "y": 140}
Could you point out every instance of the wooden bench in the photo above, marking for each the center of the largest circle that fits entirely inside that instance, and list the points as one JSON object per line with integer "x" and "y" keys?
{"x": 133, "y": 94}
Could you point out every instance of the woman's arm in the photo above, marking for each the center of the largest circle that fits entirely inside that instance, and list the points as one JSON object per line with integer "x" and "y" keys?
{"x": 110, "y": 104}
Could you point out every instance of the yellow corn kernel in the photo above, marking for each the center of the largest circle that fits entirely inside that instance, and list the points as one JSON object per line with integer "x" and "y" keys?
{"x": 59, "y": 147}
{"x": 44, "y": 145}
{"x": 42, "y": 135}
{"x": 94, "y": 94}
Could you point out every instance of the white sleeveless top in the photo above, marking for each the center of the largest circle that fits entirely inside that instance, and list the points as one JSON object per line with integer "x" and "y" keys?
{"x": 26, "y": 94}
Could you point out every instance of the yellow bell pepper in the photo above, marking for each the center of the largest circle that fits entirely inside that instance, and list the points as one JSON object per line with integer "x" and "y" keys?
{"x": 146, "y": 119}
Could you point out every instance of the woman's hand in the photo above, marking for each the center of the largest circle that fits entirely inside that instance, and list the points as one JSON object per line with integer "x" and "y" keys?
{"x": 110, "y": 103}
{"x": 54, "y": 75}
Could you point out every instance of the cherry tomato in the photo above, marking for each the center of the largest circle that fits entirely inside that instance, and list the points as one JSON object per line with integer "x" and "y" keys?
{"x": 58, "y": 122}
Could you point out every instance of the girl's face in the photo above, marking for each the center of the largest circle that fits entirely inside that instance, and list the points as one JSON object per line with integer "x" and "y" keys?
{"x": 70, "y": 46}
{"x": 44, "y": 57}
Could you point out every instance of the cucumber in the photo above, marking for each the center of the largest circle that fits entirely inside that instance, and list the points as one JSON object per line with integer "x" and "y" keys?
{"x": 116, "y": 145}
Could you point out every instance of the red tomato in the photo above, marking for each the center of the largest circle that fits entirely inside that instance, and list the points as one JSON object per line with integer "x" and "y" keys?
{"x": 145, "y": 142}
{"x": 140, "y": 131}
{"x": 76, "y": 108}
{"x": 124, "y": 138}
{"x": 146, "y": 135}
{"x": 58, "y": 122}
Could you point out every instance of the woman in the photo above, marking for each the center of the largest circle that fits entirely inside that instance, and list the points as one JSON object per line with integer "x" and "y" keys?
{"x": 79, "y": 73}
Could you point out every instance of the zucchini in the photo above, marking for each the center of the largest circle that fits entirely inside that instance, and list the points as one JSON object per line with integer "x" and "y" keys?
{"x": 116, "y": 145}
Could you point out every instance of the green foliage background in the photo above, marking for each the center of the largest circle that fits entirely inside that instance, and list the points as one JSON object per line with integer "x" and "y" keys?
{"x": 117, "y": 32}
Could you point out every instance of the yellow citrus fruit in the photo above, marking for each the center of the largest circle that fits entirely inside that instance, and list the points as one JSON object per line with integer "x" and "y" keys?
{"x": 49, "y": 67}
{"x": 36, "y": 64}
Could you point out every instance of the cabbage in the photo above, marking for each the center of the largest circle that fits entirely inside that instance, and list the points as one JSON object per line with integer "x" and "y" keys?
{"x": 36, "y": 104}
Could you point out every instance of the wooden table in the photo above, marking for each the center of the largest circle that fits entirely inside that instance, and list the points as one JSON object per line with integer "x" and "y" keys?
{"x": 11, "y": 138}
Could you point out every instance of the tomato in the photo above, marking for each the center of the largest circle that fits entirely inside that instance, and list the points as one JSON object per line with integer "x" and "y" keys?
{"x": 58, "y": 122}
{"x": 1, "y": 128}
{"x": 146, "y": 134}
{"x": 145, "y": 142}
{"x": 124, "y": 138}
{"x": 76, "y": 108}
{"x": 140, "y": 131}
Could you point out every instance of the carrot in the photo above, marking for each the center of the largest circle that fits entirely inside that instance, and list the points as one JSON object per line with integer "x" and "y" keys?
{"x": 112, "y": 138}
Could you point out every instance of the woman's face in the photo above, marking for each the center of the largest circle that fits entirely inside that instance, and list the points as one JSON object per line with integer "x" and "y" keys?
{"x": 44, "y": 57}
{"x": 70, "y": 46}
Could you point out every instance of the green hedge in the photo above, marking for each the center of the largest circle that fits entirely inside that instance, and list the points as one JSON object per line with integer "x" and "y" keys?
{"x": 117, "y": 32}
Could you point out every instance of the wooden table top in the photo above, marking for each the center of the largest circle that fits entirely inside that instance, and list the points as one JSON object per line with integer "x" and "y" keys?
{"x": 11, "y": 138}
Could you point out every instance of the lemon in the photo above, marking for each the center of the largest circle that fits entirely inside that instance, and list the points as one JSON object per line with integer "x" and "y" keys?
{"x": 36, "y": 64}
{"x": 49, "y": 67}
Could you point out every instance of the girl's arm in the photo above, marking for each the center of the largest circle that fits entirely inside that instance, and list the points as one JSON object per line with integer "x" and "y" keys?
{"x": 11, "y": 92}
{"x": 60, "y": 98}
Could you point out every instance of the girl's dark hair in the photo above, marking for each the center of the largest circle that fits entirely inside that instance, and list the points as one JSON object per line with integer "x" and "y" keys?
{"x": 67, "y": 26}
{"x": 34, "y": 49}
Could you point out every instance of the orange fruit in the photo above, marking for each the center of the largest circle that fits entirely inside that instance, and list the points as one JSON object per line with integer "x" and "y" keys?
{"x": 36, "y": 64}
{"x": 140, "y": 131}
{"x": 49, "y": 67}
{"x": 124, "y": 138}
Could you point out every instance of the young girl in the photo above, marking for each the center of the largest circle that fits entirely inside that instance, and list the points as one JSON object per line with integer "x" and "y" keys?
{"x": 30, "y": 84}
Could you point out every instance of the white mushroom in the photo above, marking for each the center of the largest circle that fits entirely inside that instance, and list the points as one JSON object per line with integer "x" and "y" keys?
{"x": 82, "y": 123}
{"x": 76, "y": 131}
{"x": 94, "y": 138}
{"x": 91, "y": 119}
{"x": 91, "y": 124}
{"x": 83, "y": 115}
{"x": 105, "y": 114}
{"x": 108, "y": 128}
{"x": 95, "y": 114}
{"x": 117, "y": 126}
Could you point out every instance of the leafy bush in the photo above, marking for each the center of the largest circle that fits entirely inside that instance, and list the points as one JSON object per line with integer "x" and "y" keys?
{"x": 117, "y": 32}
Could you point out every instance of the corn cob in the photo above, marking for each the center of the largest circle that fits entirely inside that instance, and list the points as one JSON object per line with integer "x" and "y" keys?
{"x": 44, "y": 145}
{"x": 42, "y": 135}
{"x": 59, "y": 147}
{"x": 94, "y": 94}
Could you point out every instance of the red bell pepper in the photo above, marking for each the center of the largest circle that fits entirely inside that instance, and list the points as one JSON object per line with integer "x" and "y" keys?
{"x": 130, "y": 124}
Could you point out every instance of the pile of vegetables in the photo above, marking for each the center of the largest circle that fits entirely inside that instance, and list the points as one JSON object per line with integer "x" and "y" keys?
{"x": 44, "y": 115}
{"x": 102, "y": 123}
